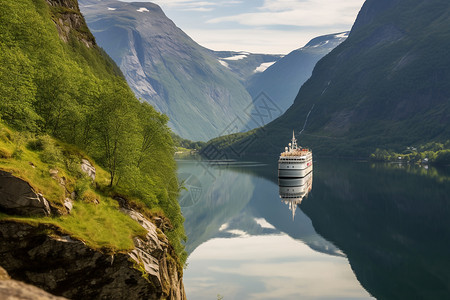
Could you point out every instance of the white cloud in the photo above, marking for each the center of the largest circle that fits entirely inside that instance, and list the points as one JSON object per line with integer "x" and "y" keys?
{"x": 297, "y": 13}
{"x": 255, "y": 40}
{"x": 268, "y": 26}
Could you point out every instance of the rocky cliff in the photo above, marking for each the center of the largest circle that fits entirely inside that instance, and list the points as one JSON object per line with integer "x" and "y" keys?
{"x": 68, "y": 20}
{"x": 50, "y": 259}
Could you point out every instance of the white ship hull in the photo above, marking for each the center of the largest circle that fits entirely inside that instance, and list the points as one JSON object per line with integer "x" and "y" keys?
{"x": 294, "y": 182}
{"x": 294, "y": 170}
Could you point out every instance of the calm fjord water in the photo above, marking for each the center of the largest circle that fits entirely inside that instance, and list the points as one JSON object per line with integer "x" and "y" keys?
{"x": 364, "y": 231}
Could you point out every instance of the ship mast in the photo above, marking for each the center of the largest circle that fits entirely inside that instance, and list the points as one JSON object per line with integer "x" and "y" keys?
{"x": 294, "y": 141}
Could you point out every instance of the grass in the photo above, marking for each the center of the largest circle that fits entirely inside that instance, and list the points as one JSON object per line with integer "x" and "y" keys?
{"x": 100, "y": 224}
{"x": 27, "y": 165}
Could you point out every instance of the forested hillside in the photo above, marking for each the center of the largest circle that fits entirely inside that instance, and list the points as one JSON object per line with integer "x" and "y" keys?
{"x": 55, "y": 80}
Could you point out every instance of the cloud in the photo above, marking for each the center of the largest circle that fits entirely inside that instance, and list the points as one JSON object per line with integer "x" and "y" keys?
{"x": 257, "y": 40}
{"x": 297, "y": 13}
{"x": 196, "y": 5}
{"x": 263, "y": 26}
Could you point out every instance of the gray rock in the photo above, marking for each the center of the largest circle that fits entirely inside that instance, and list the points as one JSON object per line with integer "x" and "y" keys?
{"x": 18, "y": 197}
{"x": 88, "y": 168}
{"x": 68, "y": 204}
{"x": 148, "y": 251}
{"x": 15, "y": 290}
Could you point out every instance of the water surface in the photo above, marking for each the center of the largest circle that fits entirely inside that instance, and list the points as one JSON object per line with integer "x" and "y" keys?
{"x": 364, "y": 231}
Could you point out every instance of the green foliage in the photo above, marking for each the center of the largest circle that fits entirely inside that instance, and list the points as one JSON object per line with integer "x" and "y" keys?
{"x": 433, "y": 152}
{"x": 57, "y": 86}
{"x": 187, "y": 144}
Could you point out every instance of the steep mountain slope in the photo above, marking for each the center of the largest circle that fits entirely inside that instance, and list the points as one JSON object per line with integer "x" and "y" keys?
{"x": 282, "y": 80}
{"x": 87, "y": 172}
{"x": 386, "y": 86}
{"x": 167, "y": 68}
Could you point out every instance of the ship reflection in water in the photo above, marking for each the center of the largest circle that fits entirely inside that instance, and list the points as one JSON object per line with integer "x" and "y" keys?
{"x": 294, "y": 190}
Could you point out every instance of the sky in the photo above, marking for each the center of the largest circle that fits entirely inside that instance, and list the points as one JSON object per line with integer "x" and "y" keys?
{"x": 259, "y": 26}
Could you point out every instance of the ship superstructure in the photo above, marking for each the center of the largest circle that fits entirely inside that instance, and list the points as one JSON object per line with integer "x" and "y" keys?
{"x": 295, "y": 161}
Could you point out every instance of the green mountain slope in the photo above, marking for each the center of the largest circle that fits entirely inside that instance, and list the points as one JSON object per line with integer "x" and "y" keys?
{"x": 55, "y": 80}
{"x": 166, "y": 68}
{"x": 386, "y": 86}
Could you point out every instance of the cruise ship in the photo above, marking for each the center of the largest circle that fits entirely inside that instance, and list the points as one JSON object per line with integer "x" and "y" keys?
{"x": 295, "y": 162}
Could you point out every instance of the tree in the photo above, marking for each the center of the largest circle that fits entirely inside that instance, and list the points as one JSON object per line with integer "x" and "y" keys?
{"x": 17, "y": 89}
{"x": 116, "y": 125}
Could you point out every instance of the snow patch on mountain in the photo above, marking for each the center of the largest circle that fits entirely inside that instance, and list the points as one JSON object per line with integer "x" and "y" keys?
{"x": 224, "y": 63}
{"x": 143, "y": 9}
{"x": 236, "y": 57}
{"x": 263, "y": 67}
{"x": 343, "y": 35}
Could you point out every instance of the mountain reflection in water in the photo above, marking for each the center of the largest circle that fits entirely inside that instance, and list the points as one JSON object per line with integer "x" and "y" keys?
{"x": 244, "y": 244}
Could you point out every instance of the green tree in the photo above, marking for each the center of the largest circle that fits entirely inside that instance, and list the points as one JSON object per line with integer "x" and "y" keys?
{"x": 17, "y": 89}
{"x": 116, "y": 125}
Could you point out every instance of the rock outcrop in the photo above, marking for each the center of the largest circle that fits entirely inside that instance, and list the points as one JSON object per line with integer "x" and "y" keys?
{"x": 67, "y": 267}
{"x": 53, "y": 261}
{"x": 19, "y": 198}
{"x": 16, "y": 290}
{"x": 68, "y": 20}
{"x": 88, "y": 168}
{"x": 151, "y": 253}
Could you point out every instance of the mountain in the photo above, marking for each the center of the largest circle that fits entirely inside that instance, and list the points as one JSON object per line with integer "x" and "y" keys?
{"x": 283, "y": 79}
{"x": 166, "y": 68}
{"x": 386, "y": 86}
